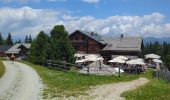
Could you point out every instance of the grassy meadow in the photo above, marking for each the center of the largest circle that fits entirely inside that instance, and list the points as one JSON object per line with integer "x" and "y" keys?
{"x": 2, "y": 69}
{"x": 154, "y": 90}
{"x": 59, "y": 83}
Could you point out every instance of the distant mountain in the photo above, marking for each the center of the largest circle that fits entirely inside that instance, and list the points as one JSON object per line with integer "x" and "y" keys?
{"x": 153, "y": 39}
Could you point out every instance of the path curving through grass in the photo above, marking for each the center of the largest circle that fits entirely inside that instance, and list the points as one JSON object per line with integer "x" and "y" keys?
{"x": 20, "y": 82}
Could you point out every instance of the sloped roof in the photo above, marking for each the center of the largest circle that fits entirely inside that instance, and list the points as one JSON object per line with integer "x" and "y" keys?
{"x": 26, "y": 45}
{"x": 15, "y": 50}
{"x": 4, "y": 48}
{"x": 97, "y": 37}
{"x": 124, "y": 44}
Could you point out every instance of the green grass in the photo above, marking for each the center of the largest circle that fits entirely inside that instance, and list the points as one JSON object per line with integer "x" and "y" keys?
{"x": 59, "y": 83}
{"x": 154, "y": 90}
{"x": 2, "y": 69}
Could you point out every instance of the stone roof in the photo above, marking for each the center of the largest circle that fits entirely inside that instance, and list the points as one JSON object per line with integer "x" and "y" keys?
{"x": 124, "y": 44}
{"x": 15, "y": 50}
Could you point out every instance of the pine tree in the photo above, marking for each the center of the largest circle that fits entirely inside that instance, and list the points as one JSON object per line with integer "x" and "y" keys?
{"x": 1, "y": 39}
{"x": 60, "y": 45}
{"x": 9, "y": 39}
{"x": 26, "y": 39}
{"x": 19, "y": 41}
{"x": 38, "y": 50}
{"x": 30, "y": 39}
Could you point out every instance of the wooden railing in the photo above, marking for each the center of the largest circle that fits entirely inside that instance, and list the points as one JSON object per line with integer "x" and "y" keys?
{"x": 163, "y": 73}
{"x": 61, "y": 65}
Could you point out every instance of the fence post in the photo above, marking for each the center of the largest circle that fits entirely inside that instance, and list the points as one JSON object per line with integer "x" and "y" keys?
{"x": 88, "y": 70}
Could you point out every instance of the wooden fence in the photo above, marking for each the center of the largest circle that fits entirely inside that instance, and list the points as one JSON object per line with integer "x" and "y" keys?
{"x": 60, "y": 65}
{"x": 164, "y": 73}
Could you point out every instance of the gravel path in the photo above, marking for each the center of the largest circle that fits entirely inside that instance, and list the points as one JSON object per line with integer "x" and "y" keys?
{"x": 20, "y": 82}
{"x": 113, "y": 91}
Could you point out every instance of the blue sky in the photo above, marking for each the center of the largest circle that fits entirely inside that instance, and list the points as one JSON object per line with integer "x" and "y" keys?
{"x": 107, "y": 17}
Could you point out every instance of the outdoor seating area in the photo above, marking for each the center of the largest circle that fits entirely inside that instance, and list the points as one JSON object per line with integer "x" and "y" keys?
{"x": 93, "y": 64}
{"x": 153, "y": 61}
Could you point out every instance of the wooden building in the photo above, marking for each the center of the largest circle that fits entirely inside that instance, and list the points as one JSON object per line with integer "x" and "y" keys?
{"x": 93, "y": 43}
{"x": 127, "y": 46}
{"x": 20, "y": 50}
{"x": 87, "y": 42}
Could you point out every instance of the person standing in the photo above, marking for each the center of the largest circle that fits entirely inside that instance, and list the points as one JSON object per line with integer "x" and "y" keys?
{"x": 12, "y": 58}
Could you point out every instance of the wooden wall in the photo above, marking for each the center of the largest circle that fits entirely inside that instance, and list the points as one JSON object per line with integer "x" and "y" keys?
{"x": 83, "y": 43}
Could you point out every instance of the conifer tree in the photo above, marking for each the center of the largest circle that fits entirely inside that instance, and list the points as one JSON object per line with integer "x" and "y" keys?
{"x": 38, "y": 50}
{"x": 61, "y": 45}
{"x": 26, "y": 39}
{"x": 30, "y": 39}
{"x": 1, "y": 39}
{"x": 9, "y": 39}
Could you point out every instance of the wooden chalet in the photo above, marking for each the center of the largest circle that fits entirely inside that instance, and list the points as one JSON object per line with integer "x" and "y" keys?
{"x": 87, "y": 42}
{"x": 20, "y": 50}
{"x": 93, "y": 43}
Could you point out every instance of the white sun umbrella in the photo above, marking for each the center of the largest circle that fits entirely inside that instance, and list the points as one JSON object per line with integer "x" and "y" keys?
{"x": 139, "y": 59}
{"x": 79, "y": 55}
{"x": 122, "y": 57}
{"x": 135, "y": 62}
{"x": 100, "y": 58}
{"x": 157, "y": 61}
{"x": 116, "y": 60}
{"x": 81, "y": 61}
{"x": 153, "y": 56}
{"x": 91, "y": 59}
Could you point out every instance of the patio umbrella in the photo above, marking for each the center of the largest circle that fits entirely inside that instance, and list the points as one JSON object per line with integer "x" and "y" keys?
{"x": 100, "y": 58}
{"x": 122, "y": 57}
{"x": 79, "y": 55}
{"x": 157, "y": 61}
{"x": 81, "y": 61}
{"x": 116, "y": 60}
{"x": 135, "y": 62}
{"x": 153, "y": 56}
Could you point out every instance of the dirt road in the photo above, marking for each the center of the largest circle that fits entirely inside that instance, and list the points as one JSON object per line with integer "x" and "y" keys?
{"x": 20, "y": 82}
{"x": 113, "y": 91}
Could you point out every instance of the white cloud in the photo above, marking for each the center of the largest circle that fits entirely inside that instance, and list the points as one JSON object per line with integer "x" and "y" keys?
{"x": 26, "y": 20}
{"x": 91, "y": 1}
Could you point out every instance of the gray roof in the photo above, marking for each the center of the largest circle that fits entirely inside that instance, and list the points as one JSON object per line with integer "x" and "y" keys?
{"x": 124, "y": 44}
{"x": 99, "y": 38}
{"x": 15, "y": 50}
{"x": 4, "y": 48}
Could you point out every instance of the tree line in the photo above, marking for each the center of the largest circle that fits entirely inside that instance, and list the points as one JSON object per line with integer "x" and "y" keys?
{"x": 55, "y": 46}
{"x": 9, "y": 40}
{"x": 160, "y": 49}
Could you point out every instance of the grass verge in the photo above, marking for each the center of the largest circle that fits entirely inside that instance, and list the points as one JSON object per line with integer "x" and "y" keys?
{"x": 59, "y": 83}
{"x": 2, "y": 69}
{"x": 154, "y": 90}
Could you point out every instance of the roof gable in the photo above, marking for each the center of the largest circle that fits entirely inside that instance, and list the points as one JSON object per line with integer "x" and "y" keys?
{"x": 92, "y": 35}
{"x": 15, "y": 48}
